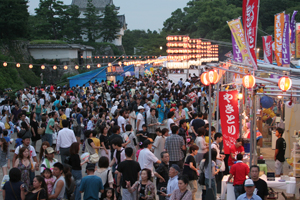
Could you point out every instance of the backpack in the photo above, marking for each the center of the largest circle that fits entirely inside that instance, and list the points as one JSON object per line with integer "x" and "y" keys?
{"x": 75, "y": 123}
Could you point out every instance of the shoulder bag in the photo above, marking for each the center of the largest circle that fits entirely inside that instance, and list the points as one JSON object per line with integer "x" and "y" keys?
{"x": 201, "y": 180}
{"x": 183, "y": 194}
{"x": 13, "y": 191}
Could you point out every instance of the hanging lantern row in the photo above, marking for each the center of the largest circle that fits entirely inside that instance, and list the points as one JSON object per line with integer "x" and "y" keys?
{"x": 117, "y": 57}
{"x": 211, "y": 77}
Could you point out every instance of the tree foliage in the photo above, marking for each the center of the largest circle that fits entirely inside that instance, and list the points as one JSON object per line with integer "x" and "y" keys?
{"x": 92, "y": 22}
{"x": 13, "y": 20}
{"x": 110, "y": 24}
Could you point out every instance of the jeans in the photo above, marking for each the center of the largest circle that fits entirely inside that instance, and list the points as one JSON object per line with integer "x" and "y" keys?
{"x": 49, "y": 138}
{"x": 213, "y": 186}
{"x": 64, "y": 152}
{"x": 238, "y": 190}
{"x": 77, "y": 174}
{"x": 38, "y": 117}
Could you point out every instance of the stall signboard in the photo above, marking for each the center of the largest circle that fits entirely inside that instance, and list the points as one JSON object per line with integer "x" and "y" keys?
{"x": 114, "y": 71}
{"x": 267, "y": 45}
{"x": 298, "y": 40}
{"x": 229, "y": 113}
{"x": 286, "y": 41}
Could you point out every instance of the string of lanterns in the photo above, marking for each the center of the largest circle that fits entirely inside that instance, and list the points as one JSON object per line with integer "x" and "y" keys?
{"x": 88, "y": 66}
{"x": 127, "y": 56}
{"x": 211, "y": 77}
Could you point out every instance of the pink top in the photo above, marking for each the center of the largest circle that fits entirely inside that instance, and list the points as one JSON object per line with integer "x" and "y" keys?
{"x": 138, "y": 153}
{"x": 50, "y": 183}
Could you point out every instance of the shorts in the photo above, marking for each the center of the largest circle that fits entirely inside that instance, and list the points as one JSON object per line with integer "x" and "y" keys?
{"x": 278, "y": 167}
{"x": 4, "y": 165}
{"x": 77, "y": 132}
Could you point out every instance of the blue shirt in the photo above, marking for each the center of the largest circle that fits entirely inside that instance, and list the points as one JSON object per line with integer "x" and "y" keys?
{"x": 18, "y": 142}
{"x": 7, "y": 139}
{"x": 244, "y": 197}
{"x": 91, "y": 186}
{"x": 56, "y": 104}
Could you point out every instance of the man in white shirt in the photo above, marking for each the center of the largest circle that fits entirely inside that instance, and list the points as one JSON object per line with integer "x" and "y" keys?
{"x": 122, "y": 121}
{"x": 146, "y": 157}
{"x": 114, "y": 108}
{"x": 64, "y": 141}
{"x": 140, "y": 119}
{"x": 172, "y": 182}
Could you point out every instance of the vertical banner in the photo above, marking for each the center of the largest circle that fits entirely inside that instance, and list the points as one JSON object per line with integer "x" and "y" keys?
{"x": 229, "y": 114}
{"x": 267, "y": 45}
{"x": 293, "y": 27}
{"x": 237, "y": 55}
{"x": 250, "y": 19}
{"x": 286, "y": 41}
{"x": 239, "y": 36}
{"x": 297, "y": 55}
{"x": 278, "y": 33}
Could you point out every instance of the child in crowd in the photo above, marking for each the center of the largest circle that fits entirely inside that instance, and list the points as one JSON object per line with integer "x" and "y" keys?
{"x": 109, "y": 194}
{"x": 49, "y": 179}
{"x": 5, "y": 136}
{"x": 144, "y": 134}
{"x": 18, "y": 141}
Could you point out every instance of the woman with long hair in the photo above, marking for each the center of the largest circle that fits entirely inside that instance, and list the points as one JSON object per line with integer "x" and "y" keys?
{"x": 44, "y": 146}
{"x": 4, "y": 156}
{"x": 76, "y": 167}
{"x": 213, "y": 169}
{"x": 38, "y": 110}
{"x": 38, "y": 192}
{"x": 105, "y": 151}
{"x": 34, "y": 126}
{"x": 24, "y": 163}
{"x": 70, "y": 183}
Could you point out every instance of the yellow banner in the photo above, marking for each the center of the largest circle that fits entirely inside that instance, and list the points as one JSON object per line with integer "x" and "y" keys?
{"x": 278, "y": 33}
{"x": 237, "y": 30}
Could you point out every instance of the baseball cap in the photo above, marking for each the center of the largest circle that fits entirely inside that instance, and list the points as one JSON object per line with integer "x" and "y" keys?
{"x": 176, "y": 167}
{"x": 249, "y": 183}
{"x": 49, "y": 150}
{"x": 140, "y": 107}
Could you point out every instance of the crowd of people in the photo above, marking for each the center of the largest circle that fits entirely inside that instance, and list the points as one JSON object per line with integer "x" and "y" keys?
{"x": 117, "y": 131}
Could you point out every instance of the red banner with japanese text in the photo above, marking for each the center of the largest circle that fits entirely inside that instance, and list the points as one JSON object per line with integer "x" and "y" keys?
{"x": 229, "y": 114}
{"x": 250, "y": 19}
{"x": 267, "y": 45}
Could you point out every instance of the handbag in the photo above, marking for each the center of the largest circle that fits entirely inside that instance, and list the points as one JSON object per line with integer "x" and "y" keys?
{"x": 94, "y": 158}
{"x": 41, "y": 130}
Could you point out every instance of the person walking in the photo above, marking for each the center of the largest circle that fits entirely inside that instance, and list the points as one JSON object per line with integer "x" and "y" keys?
{"x": 174, "y": 146}
{"x": 65, "y": 139}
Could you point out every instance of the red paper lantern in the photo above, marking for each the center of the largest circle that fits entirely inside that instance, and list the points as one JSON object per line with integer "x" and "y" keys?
{"x": 248, "y": 81}
{"x": 284, "y": 83}
{"x": 212, "y": 76}
{"x": 203, "y": 79}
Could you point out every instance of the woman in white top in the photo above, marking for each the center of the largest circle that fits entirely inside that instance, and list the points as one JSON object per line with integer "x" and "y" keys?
{"x": 104, "y": 173}
{"x": 159, "y": 142}
{"x": 200, "y": 142}
{"x": 132, "y": 118}
{"x": 170, "y": 121}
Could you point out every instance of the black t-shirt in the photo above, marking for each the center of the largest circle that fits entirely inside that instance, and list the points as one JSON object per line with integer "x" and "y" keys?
{"x": 280, "y": 145}
{"x": 113, "y": 136}
{"x": 142, "y": 191}
{"x": 141, "y": 138}
{"x": 75, "y": 162}
{"x": 8, "y": 191}
{"x": 192, "y": 174}
{"x": 105, "y": 140}
{"x": 262, "y": 188}
{"x": 90, "y": 141}
{"x": 163, "y": 170}
{"x": 129, "y": 170}
{"x": 41, "y": 194}
{"x": 198, "y": 123}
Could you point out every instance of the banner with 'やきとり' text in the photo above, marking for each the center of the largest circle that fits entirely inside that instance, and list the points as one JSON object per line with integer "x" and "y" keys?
{"x": 229, "y": 114}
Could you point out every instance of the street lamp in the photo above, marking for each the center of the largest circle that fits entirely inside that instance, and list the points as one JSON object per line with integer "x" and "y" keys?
{"x": 160, "y": 47}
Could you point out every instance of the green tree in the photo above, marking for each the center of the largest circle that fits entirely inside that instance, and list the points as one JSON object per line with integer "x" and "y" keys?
{"x": 110, "y": 24}
{"x": 50, "y": 14}
{"x": 72, "y": 27}
{"x": 92, "y": 22}
{"x": 14, "y": 18}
